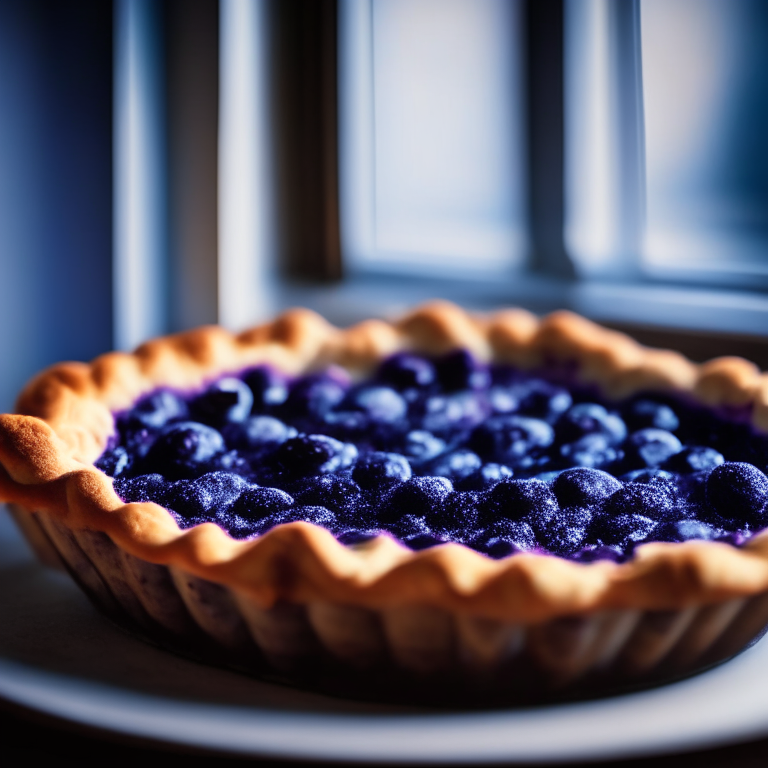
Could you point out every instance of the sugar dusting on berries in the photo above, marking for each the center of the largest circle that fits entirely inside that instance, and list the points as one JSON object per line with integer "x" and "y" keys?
{"x": 447, "y": 449}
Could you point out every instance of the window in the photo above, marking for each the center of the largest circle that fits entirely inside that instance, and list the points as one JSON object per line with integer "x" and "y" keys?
{"x": 649, "y": 212}
{"x": 166, "y": 164}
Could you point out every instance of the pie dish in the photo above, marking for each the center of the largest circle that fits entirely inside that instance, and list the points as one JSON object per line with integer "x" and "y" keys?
{"x": 392, "y": 615}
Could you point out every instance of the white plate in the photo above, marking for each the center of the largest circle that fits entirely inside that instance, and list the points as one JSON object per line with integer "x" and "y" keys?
{"x": 59, "y": 657}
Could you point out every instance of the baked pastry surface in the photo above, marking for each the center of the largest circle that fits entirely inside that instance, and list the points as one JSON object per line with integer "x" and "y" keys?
{"x": 65, "y": 420}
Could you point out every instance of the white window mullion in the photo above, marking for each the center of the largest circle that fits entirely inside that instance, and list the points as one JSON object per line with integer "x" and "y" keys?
{"x": 605, "y": 163}
{"x": 140, "y": 213}
{"x": 247, "y": 232}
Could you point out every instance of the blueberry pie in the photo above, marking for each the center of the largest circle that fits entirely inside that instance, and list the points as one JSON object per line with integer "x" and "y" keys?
{"x": 445, "y": 508}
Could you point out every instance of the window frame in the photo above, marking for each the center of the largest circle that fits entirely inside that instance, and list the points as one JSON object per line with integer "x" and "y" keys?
{"x": 304, "y": 223}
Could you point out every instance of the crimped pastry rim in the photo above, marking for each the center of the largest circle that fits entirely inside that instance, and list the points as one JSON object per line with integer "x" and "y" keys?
{"x": 64, "y": 418}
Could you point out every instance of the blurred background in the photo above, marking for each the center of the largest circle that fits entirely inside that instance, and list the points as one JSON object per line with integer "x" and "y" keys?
{"x": 166, "y": 163}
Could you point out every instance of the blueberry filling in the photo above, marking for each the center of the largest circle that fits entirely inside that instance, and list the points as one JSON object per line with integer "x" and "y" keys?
{"x": 447, "y": 449}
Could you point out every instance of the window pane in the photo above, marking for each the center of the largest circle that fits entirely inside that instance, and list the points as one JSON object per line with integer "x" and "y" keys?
{"x": 706, "y": 119}
{"x": 431, "y": 137}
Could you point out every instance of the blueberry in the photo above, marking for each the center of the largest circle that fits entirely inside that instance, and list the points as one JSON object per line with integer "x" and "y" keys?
{"x": 421, "y": 445}
{"x": 656, "y": 501}
{"x": 503, "y": 400}
{"x": 509, "y": 438}
{"x": 592, "y": 450}
{"x": 459, "y": 370}
{"x": 339, "y": 494}
{"x": 407, "y": 371}
{"x": 454, "y": 465}
{"x": 157, "y": 409}
{"x": 231, "y": 461}
{"x": 348, "y": 425}
{"x": 448, "y": 414}
{"x": 648, "y": 476}
{"x": 421, "y": 541}
{"x": 593, "y": 552}
{"x": 541, "y": 399}
{"x": 115, "y": 462}
{"x": 735, "y": 538}
{"x": 590, "y": 418}
{"x": 207, "y": 495}
{"x": 535, "y": 465}
{"x": 420, "y": 496}
{"x": 738, "y": 489}
{"x": 314, "y": 454}
{"x": 257, "y": 503}
{"x": 504, "y": 375}
{"x": 152, "y": 487}
{"x": 456, "y": 516}
{"x": 226, "y": 400}
{"x": 182, "y": 449}
{"x": 622, "y": 530}
{"x": 497, "y": 547}
{"x": 137, "y": 441}
{"x": 515, "y": 499}
{"x": 581, "y": 487}
{"x": 258, "y": 432}
{"x": 548, "y": 476}
{"x": 314, "y": 396}
{"x": 647, "y": 413}
{"x": 241, "y": 528}
{"x": 382, "y": 404}
{"x": 377, "y": 468}
{"x": 695, "y": 459}
{"x": 266, "y": 430}
{"x": 694, "y": 485}
{"x": 353, "y": 536}
{"x": 408, "y": 526}
{"x": 349, "y": 454}
{"x": 684, "y": 530}
{"x": 504, "y": 538}
{"x": 189, "y": 441}
{"x": 316, "y": 515}
{"x": 485, "y": 477}
{"x": 269, "y": 387}
{"x": 561, "y": 532}
{"x": 651, "y": 447}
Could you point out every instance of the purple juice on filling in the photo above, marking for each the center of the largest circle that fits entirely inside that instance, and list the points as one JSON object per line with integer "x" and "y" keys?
{"x": 447, "y": 449}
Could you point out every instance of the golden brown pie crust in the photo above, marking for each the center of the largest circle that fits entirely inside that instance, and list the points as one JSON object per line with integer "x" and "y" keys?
{"x": 64, "y": 419}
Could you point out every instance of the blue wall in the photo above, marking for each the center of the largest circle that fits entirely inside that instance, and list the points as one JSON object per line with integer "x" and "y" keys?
{"x": 55, "y": 185}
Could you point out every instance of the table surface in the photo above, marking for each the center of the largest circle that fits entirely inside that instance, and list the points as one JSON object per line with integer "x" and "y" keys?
{"x": 31, "y": 615}
{"x": 29, "y": 739}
